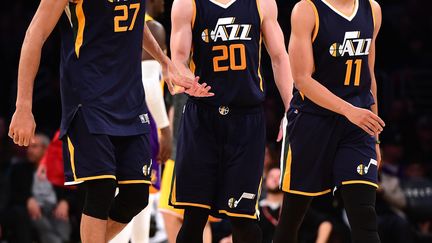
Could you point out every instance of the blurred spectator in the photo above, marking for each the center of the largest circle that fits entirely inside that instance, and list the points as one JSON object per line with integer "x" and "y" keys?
{"x": 271, "y": 205}
{"x": 35, "y": 209}
{"x": 391, "y": 200}
{"x": 418, "y": 191}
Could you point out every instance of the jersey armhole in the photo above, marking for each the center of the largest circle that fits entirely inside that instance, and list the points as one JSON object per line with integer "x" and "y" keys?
{"x": 373, "y": 14}
{"x": 259, "y": 10}
{"x": 194, "y": 11}
{"x": 316, "y": 28}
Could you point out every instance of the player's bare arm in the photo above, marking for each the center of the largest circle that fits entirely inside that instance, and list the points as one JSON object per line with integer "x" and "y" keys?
{"x": 275, "y": 45}
{"x": 181, "y": 36}
{"x": 302, "y": 64}
{"x": 377, "y": 19}
{"x": 23, "y": 125}
{"x": 158, "y": 32}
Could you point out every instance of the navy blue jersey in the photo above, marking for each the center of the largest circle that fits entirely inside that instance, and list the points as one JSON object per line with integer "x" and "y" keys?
{"x": 226, "y": 51}
{"x": 101, "y": 66}
{"x": 340, "y": 49}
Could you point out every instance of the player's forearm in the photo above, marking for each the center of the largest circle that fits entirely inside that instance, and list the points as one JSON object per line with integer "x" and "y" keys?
{"x": 283, "y": 77}
{"x": 320, "y": 95}
{"x": 28, "y": 67}
{"x": 153, "y": 48}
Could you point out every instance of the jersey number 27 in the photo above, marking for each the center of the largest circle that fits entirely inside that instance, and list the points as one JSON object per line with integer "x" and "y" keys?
{"x": 119, "y": 25}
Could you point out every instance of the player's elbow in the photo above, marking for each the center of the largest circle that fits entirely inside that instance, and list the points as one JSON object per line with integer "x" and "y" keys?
{"x": 300, "y": 80}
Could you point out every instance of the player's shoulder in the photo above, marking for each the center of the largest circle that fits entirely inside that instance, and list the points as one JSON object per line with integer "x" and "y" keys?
{"x": 375, "y": 6}
{"x": 304, "y": 12}
{"x": 154, "y": 24}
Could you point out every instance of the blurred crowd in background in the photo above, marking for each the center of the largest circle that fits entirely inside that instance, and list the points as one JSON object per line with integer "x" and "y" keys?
{"x": 404, "y": 76}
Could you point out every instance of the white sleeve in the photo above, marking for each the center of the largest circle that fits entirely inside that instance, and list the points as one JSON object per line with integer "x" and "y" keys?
{"x": 154, "y": 98}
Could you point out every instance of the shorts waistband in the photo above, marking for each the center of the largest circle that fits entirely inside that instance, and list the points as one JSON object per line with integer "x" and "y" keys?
{"x": 225, "y": 110}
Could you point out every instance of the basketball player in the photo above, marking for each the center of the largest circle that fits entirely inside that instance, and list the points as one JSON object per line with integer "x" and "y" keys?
{"x": 221, "y": 146}
{"x": 104, "y": 122}
{"x": 138, "y": 230}
{"x": 331, "y": 138}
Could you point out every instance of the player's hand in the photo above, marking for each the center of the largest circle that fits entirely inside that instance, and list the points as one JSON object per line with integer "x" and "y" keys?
{"x": 62, "y": 210}
{"x": 199, "y": 90}
{"x": 282, "y": 126}
{"x": 41, "y": 171}
{"x": 366, "y": 120}
{"x": 34, "y": 209}
{"x": 165, "y": 142}
{"x": 22, "y": 127}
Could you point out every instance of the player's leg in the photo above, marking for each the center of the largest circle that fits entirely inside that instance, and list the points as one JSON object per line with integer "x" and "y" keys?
{"x": 356, "y": 174}
{"x": 245, "y": 230}
{"x": 294, "y": 209}
{"x": 134, "y": 178}
{"x": 99, "y": 195}
{"x": 241, "y": 172}
{"x": 196, "y": 170}
{"x": 89, "y": 159}
{"x": 141, "y": 224}
{"x": 173, "y": 217}
{"x": 306, "y": 164}
{"x": 194, "y": 221}
{"x": 359, "y": 202}
{"x": 172, "y": 226}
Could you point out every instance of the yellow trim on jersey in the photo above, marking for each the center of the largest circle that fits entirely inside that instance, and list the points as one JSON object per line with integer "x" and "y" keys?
{"x": 147, "y": 17}
{"x": 91, "y": 178}
{"x": 81, "y": 25}
{"x": 72, "y": 157}
{"x": 316, "y": 28}
{"x": 286, "y": 183}
{"x": 238, "y": 215}
{"x": 259, "y": 10}
{"x": 259, "y": 64}
{"x": 174, "y": 201}
{"x": 360, "y": 182}
{"x": 310, "y": 194}
{"x": 197, "y": 205}
{"x": 302, "y": 95}
{"x": 193, "y": 13}
{"x": 373, "y": 13}
{"x": 258, "y": 195}
{"x": 134, "y": 182}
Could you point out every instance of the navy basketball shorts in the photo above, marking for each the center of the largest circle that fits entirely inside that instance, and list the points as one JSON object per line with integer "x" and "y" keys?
{"x": 89, "y": 156}
{"x": 220, "y": 157}
{"x": 324, "y": 152}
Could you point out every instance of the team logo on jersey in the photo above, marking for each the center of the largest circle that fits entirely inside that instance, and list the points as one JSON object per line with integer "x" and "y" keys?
{"x": 351, "y": 46}
{"x": 233, "y": 203}
{"x": 144, "y": 118}
{"x": 363, "y": 170}
{"x": 147, "y": 168}
{"x": 227, "y": 30}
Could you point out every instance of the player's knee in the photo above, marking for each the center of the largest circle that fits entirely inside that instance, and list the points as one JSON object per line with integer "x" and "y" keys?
{"x": 246, "y": 230}
{"x": 130, "y": 201}
{"x": 99, "y": 196}
{"x": 363, "y": 217}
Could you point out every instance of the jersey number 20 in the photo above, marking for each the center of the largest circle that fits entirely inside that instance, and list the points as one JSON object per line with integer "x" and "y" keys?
{"x": 124, "y": 16}
{"x": 229, "y": 52}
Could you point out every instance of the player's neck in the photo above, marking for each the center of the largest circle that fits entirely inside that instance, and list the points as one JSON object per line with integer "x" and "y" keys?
{"x": 347, "y": 7}
{"x": 222, "y": 1}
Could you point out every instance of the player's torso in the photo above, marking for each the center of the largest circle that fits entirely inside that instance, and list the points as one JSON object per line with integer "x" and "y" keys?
{"x": 341, "y": 51}
{"x": 101, "y": 59}
{"x": 226, "y": 51}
